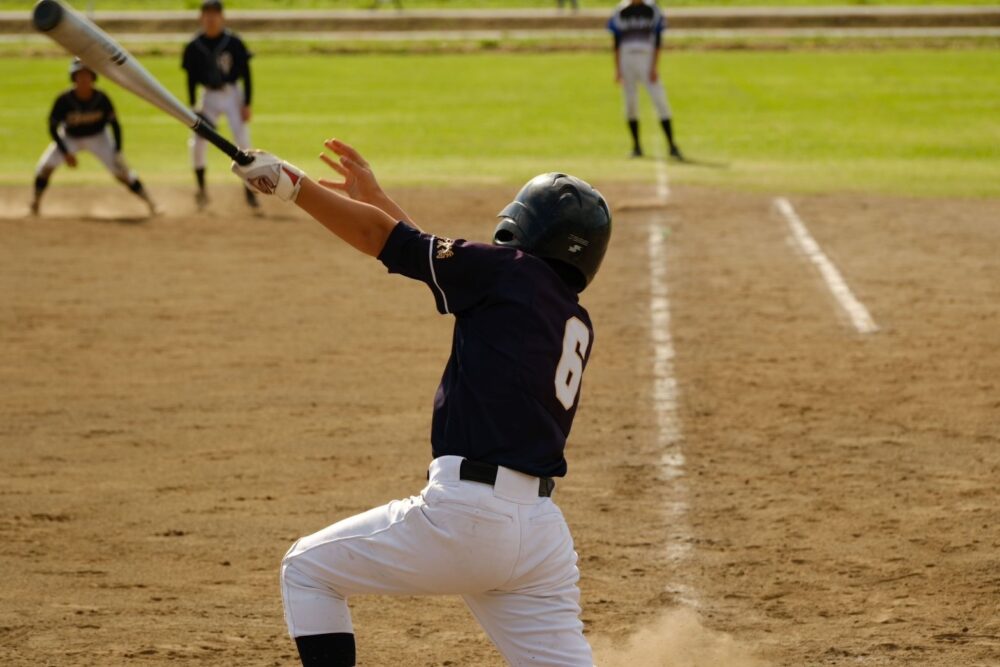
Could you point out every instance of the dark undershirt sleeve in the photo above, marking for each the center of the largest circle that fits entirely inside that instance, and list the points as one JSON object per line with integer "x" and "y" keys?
{"x": 54, "y": 133}
{"x": 247, "y": 85}
{"x": 192, "y": 88}
{"x": 116, "y": 130}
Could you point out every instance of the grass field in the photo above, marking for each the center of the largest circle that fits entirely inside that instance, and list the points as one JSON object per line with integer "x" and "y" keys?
{"x": 921, "y": 122}
{"x": 107, "y": 5}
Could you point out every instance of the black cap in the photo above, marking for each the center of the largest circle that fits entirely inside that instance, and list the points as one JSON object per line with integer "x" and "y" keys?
{"x": 211, "y": 6}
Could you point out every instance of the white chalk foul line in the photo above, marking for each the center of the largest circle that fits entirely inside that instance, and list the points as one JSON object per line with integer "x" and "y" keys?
{"x": 855, "y": 310}
{"x": 668, "y": 426}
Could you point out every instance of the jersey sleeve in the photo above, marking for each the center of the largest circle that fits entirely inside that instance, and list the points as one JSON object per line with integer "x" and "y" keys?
{"x": 613, "y": 25}
{"x": 189, "y": 59}
{"x": 460, "y": 274}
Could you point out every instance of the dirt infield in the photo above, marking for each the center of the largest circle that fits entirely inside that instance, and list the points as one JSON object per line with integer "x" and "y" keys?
{"x": 180, "y": 399}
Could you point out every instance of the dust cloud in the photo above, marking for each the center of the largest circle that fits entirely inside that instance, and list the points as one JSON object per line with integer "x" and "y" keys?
{"x": 675, "y": 639}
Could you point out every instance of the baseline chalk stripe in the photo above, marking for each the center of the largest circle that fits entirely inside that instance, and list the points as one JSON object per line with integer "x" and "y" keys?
{"x": 855, "y": 310}
{"x": 669, "y": 434}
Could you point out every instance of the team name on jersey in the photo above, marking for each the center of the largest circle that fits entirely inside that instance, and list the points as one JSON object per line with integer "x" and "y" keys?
{"x": 75, "y": 118}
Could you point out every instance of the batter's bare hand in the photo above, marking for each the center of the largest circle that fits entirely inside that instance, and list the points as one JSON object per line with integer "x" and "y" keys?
{"x": 359, "y": 181}
{"x": 71, "y": 159}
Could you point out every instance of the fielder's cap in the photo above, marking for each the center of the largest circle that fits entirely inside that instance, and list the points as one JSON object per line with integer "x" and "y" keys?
{"x": 77, "y": 65}
{"x": 211, "y": 6}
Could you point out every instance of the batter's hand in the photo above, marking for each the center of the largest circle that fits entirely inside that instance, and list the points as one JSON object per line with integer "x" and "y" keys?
{"x": 245, "y": 113}
{"x": 270, "y": 175}
{"x": 71, "y": 159}
{"x": 359, "y": 180}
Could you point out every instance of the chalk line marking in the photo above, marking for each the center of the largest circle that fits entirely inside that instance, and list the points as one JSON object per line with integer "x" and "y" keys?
{"x": 855, "y": 310}
{"x": 669, "y": 434}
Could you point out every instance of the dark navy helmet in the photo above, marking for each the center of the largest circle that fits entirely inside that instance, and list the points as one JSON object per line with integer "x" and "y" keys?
{"x": 561, "y": 219}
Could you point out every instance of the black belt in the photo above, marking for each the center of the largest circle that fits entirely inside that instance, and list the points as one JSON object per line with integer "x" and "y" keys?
{"x": 486, "y": 473}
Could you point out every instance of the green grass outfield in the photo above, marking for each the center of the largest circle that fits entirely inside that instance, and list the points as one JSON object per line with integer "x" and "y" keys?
{"x": 920, "y": 122}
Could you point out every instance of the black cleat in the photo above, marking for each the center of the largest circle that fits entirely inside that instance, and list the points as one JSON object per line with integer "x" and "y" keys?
{"x": 251, "y": 199}
{"x": 675, "y": 153}
{"x": 636, "y": 152}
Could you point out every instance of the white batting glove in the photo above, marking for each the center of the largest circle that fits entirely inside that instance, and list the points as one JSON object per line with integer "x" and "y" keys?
{"x": 270, "y": 175}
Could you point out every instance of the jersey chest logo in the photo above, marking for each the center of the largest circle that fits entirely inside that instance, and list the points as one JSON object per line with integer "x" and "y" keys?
{"x": 225, "y": 62}
{"x": 444, "y": 249}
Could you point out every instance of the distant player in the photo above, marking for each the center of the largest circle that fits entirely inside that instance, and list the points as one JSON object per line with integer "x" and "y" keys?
{"x": 637, "y": 26}
{"x": 216, "y": 59}
{"x": 485, "y": 526}
{"x": 79, "y": 121}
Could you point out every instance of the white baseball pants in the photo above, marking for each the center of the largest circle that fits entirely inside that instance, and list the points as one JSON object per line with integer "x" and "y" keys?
{"x": 102, "y": 145}
{"x": 228, "y": 102}
{"x": 636, "y": 64}
{"x": 506, "y": 551}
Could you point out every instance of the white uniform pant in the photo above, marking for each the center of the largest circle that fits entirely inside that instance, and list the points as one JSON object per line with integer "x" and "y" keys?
{"x": 635, "y": 65}
{"x": 506, "y": 551}
{"x": 102, "y": 145}
{"x": 226, "y": 101}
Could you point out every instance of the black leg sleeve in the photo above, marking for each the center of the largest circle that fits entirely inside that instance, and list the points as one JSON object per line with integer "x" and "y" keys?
{"x": 41, "y": 182}
{"x": 199, "y": 175}
{"x": 331, "y": 650}
{"x": 668, "y": 129}
{"x": 633, "y": 127}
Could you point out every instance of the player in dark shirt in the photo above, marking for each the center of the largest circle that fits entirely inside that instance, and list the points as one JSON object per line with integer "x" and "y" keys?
{"x": 485, "y": 526}
{"x": 216, "y": 60}
{"x": 79, "y": 121}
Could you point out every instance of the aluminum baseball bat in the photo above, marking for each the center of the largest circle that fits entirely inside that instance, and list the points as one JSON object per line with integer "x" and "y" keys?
{"x": 101, "y": 53}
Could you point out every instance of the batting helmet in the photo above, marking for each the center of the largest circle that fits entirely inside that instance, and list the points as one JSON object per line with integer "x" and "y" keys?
{"x": 78, "y": 66}
{"x": 562, "y": 219}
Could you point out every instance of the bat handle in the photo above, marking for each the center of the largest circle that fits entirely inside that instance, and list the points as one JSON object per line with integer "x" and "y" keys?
{"x": 205, "y": 130}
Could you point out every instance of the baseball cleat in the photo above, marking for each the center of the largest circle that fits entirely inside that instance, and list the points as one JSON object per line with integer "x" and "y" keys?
{"x": 636, "y": 152}
{"x": 201, "y": 200}
{"x": 251, "y": 199}
{"x": 675, "y": 153}
{"x": 34, "y": 207}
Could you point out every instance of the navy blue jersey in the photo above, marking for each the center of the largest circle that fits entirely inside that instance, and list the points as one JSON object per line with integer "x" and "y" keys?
{"x": 521, "y": 342}
{"x": 637, "y": 25}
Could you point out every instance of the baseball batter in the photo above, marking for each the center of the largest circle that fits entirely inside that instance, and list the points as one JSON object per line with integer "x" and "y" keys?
{"x": 485, "y": 526}
{"x": 637, "y": 26}
{"x": 216, "y": 59}
{"x": 80, "y": 120}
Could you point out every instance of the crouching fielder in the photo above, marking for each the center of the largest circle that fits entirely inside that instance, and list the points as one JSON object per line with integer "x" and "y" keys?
{"x": 637, "y": 26}
{"x": 80, "y": 121}
{"x": 485, "y": 526}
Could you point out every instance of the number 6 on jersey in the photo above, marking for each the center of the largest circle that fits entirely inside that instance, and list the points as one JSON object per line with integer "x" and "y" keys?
{"x": 569, "y": 372}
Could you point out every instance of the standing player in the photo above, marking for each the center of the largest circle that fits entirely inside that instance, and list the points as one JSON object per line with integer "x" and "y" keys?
{"x": 79, "y": 121}
{"x": 485, "y": 526}
{"x": 216, "y": 59}
{"x": 638, "y": 26}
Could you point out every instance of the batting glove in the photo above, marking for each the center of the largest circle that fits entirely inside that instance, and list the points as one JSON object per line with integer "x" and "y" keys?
{"x": 270, "y": 175}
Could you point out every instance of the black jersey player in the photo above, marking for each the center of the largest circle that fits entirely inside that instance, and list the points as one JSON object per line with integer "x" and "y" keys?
{"x": 485, "y": 526}
{"x": 84, "y": 119}
{"x": 215, "y": 60}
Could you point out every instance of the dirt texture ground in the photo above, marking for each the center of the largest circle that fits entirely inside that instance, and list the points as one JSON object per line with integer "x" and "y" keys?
{"x": 182, "y": 398}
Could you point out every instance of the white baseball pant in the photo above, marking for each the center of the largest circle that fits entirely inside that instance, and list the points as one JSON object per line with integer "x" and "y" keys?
{"x": 102, "y": 145}
{"x": 226, "y": 101}
{"x": 636, "y": 64}
{"x": 504, "y": 549}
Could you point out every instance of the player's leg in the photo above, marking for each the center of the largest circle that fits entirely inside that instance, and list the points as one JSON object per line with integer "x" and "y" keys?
{"x": 535, "y": 619}
{"x": 48, "y": 163}
{"x": 102, "y": 146}
{"x": 455, "y": 538}
{"x": 658, "y": 93}
{"x": 630, "y": 88}
{"x": 240, "y": 129}
{"x": 199, "y": 148}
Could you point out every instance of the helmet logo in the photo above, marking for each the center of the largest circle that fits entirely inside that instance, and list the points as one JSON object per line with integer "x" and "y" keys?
{"x": 444, "y": 249}
{"x": 577, "y": 244}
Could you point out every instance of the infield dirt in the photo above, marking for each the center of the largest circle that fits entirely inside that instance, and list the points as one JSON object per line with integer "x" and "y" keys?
{"x": 182, "y": 398}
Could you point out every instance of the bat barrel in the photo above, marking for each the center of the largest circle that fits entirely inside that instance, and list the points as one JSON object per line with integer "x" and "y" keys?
{"x": 47, "y": 15}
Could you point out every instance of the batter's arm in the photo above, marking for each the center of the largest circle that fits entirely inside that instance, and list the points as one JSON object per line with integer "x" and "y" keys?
{"x": 361, "y": 225}
{"x": 359, "y": 180}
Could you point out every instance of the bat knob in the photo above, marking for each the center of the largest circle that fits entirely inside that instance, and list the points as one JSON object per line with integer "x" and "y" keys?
{"x": 243, "y": 158}
{"x": 47, "y": 15}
